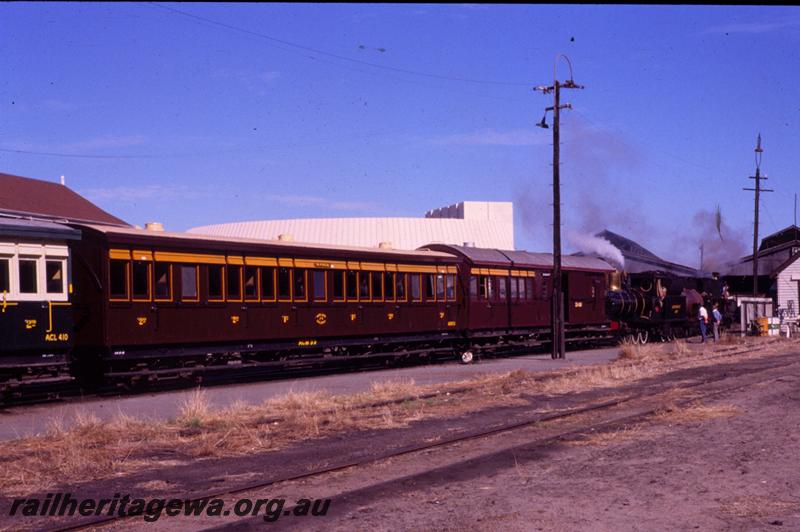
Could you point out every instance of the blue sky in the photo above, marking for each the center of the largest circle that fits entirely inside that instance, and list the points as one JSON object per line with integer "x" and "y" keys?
{"x": 225, "y": 112}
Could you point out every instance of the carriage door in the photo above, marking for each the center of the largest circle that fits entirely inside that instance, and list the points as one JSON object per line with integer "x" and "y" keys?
{"x": 581, "y": 294}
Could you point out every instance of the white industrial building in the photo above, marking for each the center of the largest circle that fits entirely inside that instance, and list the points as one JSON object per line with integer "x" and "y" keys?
{"x": 788, "y": 286}
{"x": 485, "y": 224}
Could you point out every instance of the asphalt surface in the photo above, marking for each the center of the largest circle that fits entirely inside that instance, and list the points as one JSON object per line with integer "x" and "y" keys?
{"x": 21, "y": 421}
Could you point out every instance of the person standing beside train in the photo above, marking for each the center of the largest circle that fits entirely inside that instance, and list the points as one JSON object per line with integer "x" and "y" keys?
{"x": 716, "y": 317}
{"x": 702, "y": 316}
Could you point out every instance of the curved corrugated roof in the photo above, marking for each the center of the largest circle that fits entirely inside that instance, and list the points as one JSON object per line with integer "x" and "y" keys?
{"x": 288, "y": 245}
{"x": 403, "y": 233}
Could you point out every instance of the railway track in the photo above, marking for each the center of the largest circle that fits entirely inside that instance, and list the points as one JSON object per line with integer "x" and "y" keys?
{"x": 636, "y": 406}
{"x": 151, "y": 382}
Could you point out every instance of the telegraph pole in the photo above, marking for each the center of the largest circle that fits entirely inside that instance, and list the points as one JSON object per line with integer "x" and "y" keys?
{"x": 758, "y": 190}
{"x": 557, "y": 307}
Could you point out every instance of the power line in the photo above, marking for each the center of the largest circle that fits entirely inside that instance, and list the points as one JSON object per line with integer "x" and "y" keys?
{"x": 80, "y": 156}
{"x": 337, "y": 56}
{"x": 242, "y": 149}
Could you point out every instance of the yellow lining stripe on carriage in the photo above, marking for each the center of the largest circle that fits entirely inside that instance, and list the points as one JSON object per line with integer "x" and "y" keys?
{"x": 121, "y": 254}
{"x": 260, "y": 261}
{"x": 139, "y": 254}
{"x": 288, "y": 263}
{"x": 6, "y": 303}
{"x": 320, "y": 264}
{"x": 415, "y": 268}
{"x": 237, "y": 260}
{"x": 194, "y": 258}
{"x": 373, "y": 266}
{"x": 50, "y": 306}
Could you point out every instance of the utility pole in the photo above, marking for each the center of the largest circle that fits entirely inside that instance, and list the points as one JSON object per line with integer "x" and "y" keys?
{"x": 558, "y": 343}
{"x": 758, "y": 190}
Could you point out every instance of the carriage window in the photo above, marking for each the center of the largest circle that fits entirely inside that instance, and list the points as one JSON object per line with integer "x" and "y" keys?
{"x": 320, "y": 286}
{"x": 189, "y": 283}
{"x": 430, "y": 289}
{"x": 484, "y": 286}
{"x": 27, "y": 276}
{"x": 377, "y": 286}
{"x": 118, "y": 276}
{"x": 416, "y": 293}
{"x": 400, "y": 286}
{"x": 234, "y": 283}
{"x": 338, "y": 286}
{"x": 450, "y": 279}
{"x": 473, "y": 287}
{"x": 5, "y": 276}
{"x": 529, "y": 292}
{"x": 501, "y": 288}
{"x": 140, "y": 280}
{"x": 522, "y": 281}
{"x": 251, "y": 282}
{"x": 490, "y": 287}
{"x": 440, "y": 287}
{"x": 544, "y": 287}
{"x": 388, "y": 285}
{"x": 284, "y": 284}
{"x": 215, "y": 282}
{"x": 300, "y": 285}
{"x": 268, "y": 284}
{"x": 514, "y": 290}
{"x": 55, "y": 276}
{"x": 363, "y": 286}
{"x": 352, "y": 285}
{"x": 163, "y": 285}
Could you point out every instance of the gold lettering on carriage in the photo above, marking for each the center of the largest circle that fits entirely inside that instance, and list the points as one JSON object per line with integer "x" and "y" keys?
{"x": 234, "y": 319}
{"x": 141, "y": 320}
{"x": 321, "y": 318}
{"x": 30, "y": 324}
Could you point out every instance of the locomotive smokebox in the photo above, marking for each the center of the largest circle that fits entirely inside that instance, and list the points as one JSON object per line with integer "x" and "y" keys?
{"x": 624, "y": 304}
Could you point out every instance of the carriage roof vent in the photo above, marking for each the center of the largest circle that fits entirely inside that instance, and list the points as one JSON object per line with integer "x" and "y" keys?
{"x": 285, "y": 237}
{"x": 154, "y": 226}
{"x": 384, "y": 245}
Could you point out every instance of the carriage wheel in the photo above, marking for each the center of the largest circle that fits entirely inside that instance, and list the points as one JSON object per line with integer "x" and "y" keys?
{"x": 467, "y": 357}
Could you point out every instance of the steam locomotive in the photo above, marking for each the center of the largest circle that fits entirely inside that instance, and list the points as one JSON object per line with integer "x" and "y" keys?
{"x": 660, "y": 306}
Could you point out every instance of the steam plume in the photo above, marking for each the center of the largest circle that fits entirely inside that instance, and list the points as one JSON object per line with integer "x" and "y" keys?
{"x": 596, "y": 246}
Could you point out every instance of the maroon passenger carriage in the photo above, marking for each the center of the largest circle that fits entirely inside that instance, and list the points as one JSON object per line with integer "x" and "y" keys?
{"x": 508, "y": 302}
{"x": 155, "y": 306}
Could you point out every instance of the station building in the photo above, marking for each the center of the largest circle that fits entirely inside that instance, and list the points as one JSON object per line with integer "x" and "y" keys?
{"x": 483, "y": 224}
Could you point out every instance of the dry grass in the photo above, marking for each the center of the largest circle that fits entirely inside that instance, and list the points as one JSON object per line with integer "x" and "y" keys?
{"x": 91, "y": 449}
{"x": 696, "y": 412}
{"x": 630, "y": 351}
{"x": 394, "y": 388}
{"x": 194, "y": 409}
{"x": 759, "y": 507}
{"x": 609, "y": 437}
